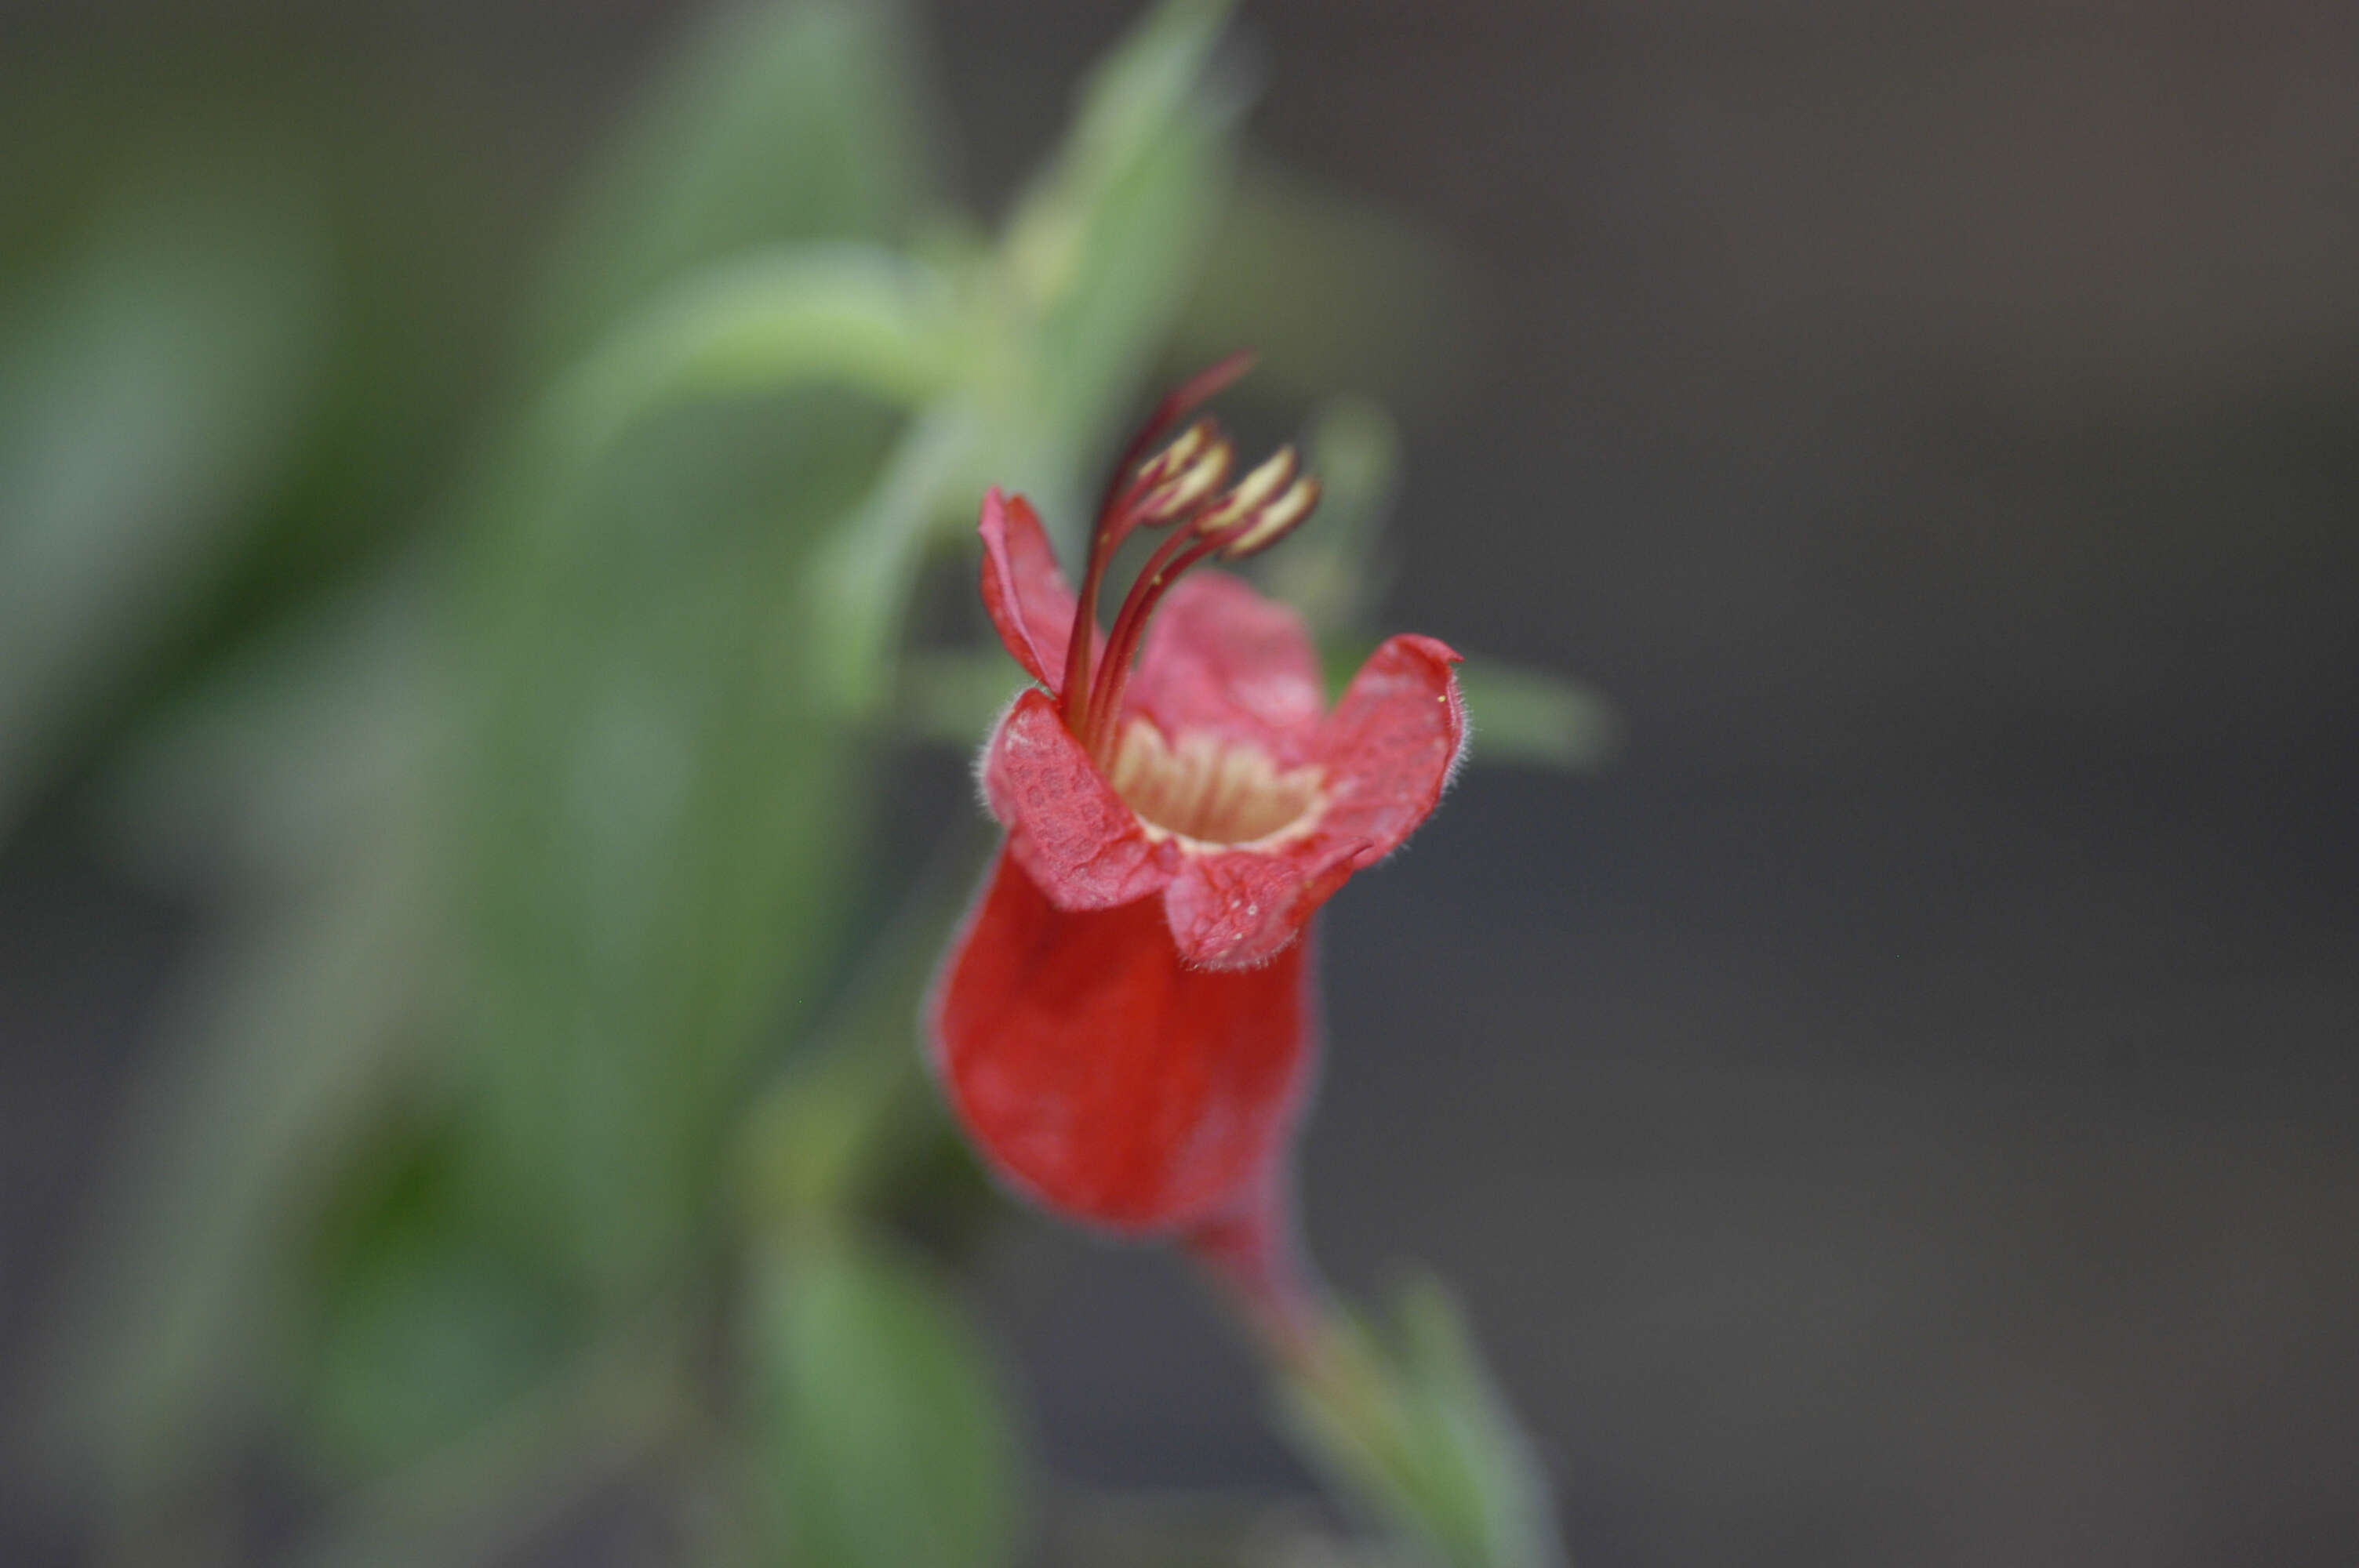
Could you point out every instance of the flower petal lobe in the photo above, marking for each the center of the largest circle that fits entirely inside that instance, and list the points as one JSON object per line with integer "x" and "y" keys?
{"x": 1030, "y": 603}
{"x": 1240, "y": 908}
{"x": 1219, "y": 657}
{"x": 1391, "y": 744}
{"x": 1066, "y": 825}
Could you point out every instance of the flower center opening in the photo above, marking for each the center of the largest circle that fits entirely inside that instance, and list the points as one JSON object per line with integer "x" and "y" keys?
{"x": 1209, "y": 790}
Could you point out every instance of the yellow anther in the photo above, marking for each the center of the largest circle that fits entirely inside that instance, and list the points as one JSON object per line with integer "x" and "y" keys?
{"x": 1197, "y": 480}
{"x": 1276, "y": 519}
{"x": 1158, "y": 469}
{"x": 1201, "y": 477}
{"x": 1251, "y": 492}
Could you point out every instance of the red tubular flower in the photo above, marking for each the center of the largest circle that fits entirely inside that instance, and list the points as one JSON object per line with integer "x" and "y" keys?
{"x": 1126, "y": 1022}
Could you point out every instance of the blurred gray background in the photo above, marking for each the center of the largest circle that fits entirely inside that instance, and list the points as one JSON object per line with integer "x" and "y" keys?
{"x": 1901, "y": 1112}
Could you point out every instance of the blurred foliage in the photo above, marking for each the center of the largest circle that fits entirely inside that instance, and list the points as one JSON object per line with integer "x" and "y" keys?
{"x": 541, "y": 1111}
{"x": 151, "y": 389}
{"x": 881, "y": 1437}
{"x": 1406, "y": 1419}
{"x": 780, "y": 124}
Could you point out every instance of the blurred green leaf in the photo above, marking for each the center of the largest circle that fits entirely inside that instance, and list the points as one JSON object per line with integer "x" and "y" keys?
{"x": 1410, "y": 1426}
{"x": 275, "y": 765}
{"x": 167, "y": 1345}
{"x": 859, "y": 589}
{"x": 780, "y": 122}
{"x": 1489, "y": 1486}
{"x": 664, "y": 803}
{"x": 855, "y": 316}
{"x": 1530, "y": 717}
{"x": 663, "y": 809}
{"x": 1515, "y": 714}
{"x": 854, "y": 1109}
{"x": 488, "y": 1497}
{"x": 1103, "y": 251}
{"x": 952, "y": 697}
{"x": 292, "y": 779}
{"x": 151, "y": 394}
{"x": 1330, "y": 290}
{"x": 883, "y": 1440}
{"x": 423, "y": 1325}
{"x": 1335, "y": 569}
{"x": 673, "y": 605}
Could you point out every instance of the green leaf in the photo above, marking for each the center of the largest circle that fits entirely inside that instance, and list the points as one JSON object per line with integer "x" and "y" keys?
{"x": 425, "y": 1325}
{"x": 882, "y": 1437}
{"x": 779, "y": 121}
{"x": 170, "y": 1340}
{"x": 151, "y": 394}
{"x": 951, "y": 697}
{"x": 854, "y": 1111}
{"x": 616, "y": 1407}
{"x": 307, "y": 745}
{"x": 663, "y": 809}
{"x": 854, "y": 315}
{"x": 292, "y": 781}
{"x": 1103, "y": 250}
{"x": 1335, "y": 569}
{"x": 1330, "y": 290}
{"x": 1411, "y": 1427}
{"x": 860, "y": 586}
{"x": 1515, "y": 714}
{"x": 1530, "y": 717}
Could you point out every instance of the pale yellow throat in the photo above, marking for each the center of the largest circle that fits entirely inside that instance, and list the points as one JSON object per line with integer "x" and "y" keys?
{"x": 1206, "y": 791}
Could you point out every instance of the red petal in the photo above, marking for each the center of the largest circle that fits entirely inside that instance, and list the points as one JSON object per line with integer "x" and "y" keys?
{"x": 1219, "y": 657}
{"x": 1071, "y": 832}
{"x": 1105, "y": 1077}
{"x": 1391, "y": 743}
{"x": 1237, "y": 909}
{"x": 1027, "y": 595}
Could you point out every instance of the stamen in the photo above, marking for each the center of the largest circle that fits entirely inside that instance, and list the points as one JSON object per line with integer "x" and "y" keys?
{"x": 1171, "y": 559}
{"x": 1180, "y": 484}
{"x": 1176, "y": 404}
{"x": 1260, "y": 510}
{"x": 1277, "y": 519}
{"x": 1161, "y": 468}
{"x": 1113, "y": 520}
{"x": 1174, "y": 496}
{"x": 1251, "y": 492}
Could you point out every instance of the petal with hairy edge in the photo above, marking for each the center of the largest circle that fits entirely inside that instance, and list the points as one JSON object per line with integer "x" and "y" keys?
{"x": 1065, "y": 823}
{"x": 1236, "y": 909}
{"x": 1391, "y": 743}
{"x": 1028, "y": 598}
{"x": 1219, "y": 657}
{"x": 1105, "y": 1078}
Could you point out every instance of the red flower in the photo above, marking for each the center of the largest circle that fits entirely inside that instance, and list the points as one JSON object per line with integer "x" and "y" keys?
{"x": 1126, "y": 1022}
